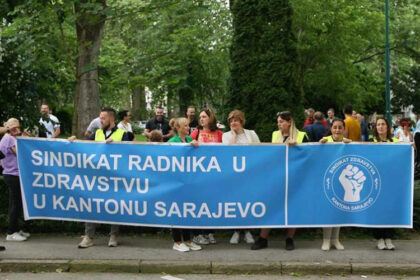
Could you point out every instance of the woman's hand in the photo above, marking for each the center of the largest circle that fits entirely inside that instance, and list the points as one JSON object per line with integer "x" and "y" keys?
{"x": 26, "y": 133}
{"x": 346, "y": 140}
{"x": 72, "y": 138}
{"x": 323, "y": 141}
{"x": 194, "y": 143}
{"x": 292, "y": 143}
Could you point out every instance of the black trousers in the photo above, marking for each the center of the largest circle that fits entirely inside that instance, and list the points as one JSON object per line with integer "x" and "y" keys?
{"x": 176, "y": 234}
{"x": 15, "y": 202}
{"x": 384, "y": 233}
{"x": 417, "y": 142}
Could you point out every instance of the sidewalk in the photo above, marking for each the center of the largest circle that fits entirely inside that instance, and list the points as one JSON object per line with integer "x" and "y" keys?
{"x": 152, "y": 255}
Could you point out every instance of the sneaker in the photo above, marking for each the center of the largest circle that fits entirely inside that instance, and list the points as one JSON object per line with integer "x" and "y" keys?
{"x": 25, "y": 234}
{"x": 211, "y": 238}
{"x": 200, "y": 239}
{"x": 261, "y": 243}
{"x": 248, "y": 237}
{"x": 381, "y": 244}
{"x": 2, "y": 248}
{"x": 290, "y": 244}
{"x": 112, "y": 241}
{"x": 193, "y": 246}
{"x": 389, "y": 245}
{"x": 181, "y": 247}
{"x": 235, "y": 238}
{"x": 86, "y": 242}
{"x": 15, "y": 237}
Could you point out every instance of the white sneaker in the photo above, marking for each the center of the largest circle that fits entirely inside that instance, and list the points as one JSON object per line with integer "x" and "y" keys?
{"x": 235, "y": 238}
{"x": 193, "y": 246}
{"x": 112, "y": 241}
{"x": 25, "y": 234}
{"x": 15, "y": 237}
{"x": 381, "y": 244}
{"x": 389, "y": 245}
{"x": 181, "y": 247}
{"x": 336, "y": 243}
{"x": 200, "y": 239}
{"x": 211, "y": 238}
{"x": 248, "y": 237}
{"x": 86, "y": 242}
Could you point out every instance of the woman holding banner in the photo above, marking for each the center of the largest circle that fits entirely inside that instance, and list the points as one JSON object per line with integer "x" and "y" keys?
{"x": 239, "y": 135}
{"x": 206, "y": 132}
{"x": 331, "y": 235}
{"x": 290, "y": 135}
{"x": 181, "y": 128}
{"x": 11, "y": 179}
{"x": 382, "y": 133}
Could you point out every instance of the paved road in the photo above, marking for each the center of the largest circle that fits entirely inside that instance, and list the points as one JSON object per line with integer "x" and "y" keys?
{"x": 101, "y": 276}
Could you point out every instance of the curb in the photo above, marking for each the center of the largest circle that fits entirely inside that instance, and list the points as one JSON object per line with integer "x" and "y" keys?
{"x": 19, "y": 265}
{"x": 208, "y": 267}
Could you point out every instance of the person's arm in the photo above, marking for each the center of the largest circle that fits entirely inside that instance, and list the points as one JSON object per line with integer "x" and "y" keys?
{"x": 56, "y": 132}
{"x": 168, "y": 135}
{"x": 88, "y": 133}
{"x": 13, "y": 149}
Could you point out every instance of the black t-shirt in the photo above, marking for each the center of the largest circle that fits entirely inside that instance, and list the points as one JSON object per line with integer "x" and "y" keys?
{"x": 154, "y": 124}
{"x": 193, "y": 125}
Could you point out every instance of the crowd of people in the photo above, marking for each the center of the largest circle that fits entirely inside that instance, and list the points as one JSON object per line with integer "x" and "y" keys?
{"x": 205, "y": 129}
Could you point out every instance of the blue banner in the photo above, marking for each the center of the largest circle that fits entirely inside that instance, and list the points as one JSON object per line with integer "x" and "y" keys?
{"x": 217, "y": 186}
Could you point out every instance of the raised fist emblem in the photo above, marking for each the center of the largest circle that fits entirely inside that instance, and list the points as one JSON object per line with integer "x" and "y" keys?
{"x": 352, "y": 180}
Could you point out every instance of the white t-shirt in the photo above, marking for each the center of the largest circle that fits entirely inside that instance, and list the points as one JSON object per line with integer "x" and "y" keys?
{"x": 248, "y": 137}
{"x": 94, "y": 125}
{"x": 50, "y": 126}
{"x": 126, "y": 127}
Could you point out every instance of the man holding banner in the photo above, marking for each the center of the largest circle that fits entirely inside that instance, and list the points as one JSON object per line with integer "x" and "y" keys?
{"x": 108, "y": 133}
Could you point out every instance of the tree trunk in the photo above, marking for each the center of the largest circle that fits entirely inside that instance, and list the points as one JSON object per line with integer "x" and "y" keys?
{"x": 138, "y": 99}
{"x": 89, "y": 28}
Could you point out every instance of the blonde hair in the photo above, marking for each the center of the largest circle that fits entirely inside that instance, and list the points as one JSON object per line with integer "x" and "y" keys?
{"x": 11, "y": 123}
{"x": 293, "y": 131}
{"x": 177, "y": 123}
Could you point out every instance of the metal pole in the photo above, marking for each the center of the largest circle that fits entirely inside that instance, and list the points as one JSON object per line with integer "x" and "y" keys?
{"x": 387, "y": 65}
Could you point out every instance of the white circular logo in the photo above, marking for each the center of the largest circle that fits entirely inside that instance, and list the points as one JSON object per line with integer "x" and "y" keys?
{"x": 352, "y": 183}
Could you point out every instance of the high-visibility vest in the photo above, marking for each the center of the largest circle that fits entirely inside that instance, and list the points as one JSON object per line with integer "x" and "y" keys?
{"x": 331, "y": 139}
{"x": 116, "y": 136}
{"x": 301, "y": 135}
{"x": 393, "y": 140}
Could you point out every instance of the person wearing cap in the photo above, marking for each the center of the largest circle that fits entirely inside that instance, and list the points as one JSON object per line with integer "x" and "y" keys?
{"x": 11, "y": 179}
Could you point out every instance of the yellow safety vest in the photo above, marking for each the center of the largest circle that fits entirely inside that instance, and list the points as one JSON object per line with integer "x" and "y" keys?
{"x": 331, "y": 139}
{"x": 393, "y": 140}
{"x": 116, "y": 136}
{"x": 301, "y": 135}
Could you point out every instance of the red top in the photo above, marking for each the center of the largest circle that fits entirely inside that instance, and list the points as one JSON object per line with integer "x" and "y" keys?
{"x": 207, "y": 136}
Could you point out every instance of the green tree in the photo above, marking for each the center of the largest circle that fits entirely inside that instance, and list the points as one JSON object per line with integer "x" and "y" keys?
{"x": 264, "y": 55}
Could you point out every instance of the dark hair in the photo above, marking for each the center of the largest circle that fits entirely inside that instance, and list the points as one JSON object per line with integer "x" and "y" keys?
{"x": 338, "y": 120}
{"x": 348, "y": 109}
{"x": 212, "y": 120}
{"x": 109, "y": 110}
{"x": 285, "y": 115}
{"x": 122, "y": 114}
{"x": 329, "y": 132}
{"x": 388, "y": 130}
